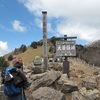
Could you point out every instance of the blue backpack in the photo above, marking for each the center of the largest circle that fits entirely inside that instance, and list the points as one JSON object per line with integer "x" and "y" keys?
{"x": 10, "y": 89}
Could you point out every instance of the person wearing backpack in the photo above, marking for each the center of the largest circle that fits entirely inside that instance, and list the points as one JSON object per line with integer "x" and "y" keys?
{"x": 14, "y": 60}
{"x": 16, "y": 82}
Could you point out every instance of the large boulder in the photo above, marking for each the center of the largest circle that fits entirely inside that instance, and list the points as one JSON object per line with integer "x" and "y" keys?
{"x": 46, "y": 93}
{"x": 46, "y": 79}
{"x": 66, "y": 85}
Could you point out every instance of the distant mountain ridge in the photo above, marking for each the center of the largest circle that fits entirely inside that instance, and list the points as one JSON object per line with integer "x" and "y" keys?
{"x": 90, "y": 53}
{"x": 94, "y": 44}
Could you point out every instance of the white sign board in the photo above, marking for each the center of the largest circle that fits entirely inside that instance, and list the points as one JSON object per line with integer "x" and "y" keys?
{"x": 65, "y": 48}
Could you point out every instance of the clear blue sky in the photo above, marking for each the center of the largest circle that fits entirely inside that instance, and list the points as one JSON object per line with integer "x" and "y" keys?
{"x": 21, "y": 21}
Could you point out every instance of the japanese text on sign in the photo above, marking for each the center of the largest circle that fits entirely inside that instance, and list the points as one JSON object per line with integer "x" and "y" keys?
{"x": 65, "y": 48}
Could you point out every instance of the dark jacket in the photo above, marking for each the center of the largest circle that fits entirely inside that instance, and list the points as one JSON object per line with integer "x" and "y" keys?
{"x": 23, "y": 85}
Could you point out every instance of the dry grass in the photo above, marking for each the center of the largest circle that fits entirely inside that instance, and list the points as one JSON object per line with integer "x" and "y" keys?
{"x": 29, "y": 55}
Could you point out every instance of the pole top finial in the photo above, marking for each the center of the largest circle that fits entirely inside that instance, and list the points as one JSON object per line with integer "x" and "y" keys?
{"x": 44, "y": 12}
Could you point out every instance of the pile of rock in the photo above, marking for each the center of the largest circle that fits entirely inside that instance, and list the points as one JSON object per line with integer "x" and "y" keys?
{"x": 54, "y": 85}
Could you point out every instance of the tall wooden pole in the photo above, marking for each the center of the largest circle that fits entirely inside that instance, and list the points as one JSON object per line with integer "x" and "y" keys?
{"x": 45, "y": 56}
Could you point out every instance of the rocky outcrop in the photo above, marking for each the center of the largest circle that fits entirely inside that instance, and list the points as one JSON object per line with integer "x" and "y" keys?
{"x": 83, "y": 84}
{"x": 54, "y": 84}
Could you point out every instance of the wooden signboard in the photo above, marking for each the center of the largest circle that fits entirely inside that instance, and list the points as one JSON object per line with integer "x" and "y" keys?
{"x": 65, "y": 48}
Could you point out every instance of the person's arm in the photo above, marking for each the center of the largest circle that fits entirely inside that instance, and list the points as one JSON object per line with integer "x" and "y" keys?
{"x": 26, "y": 84}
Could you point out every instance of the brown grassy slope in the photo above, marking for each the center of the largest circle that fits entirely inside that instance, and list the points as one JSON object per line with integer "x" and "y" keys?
{"x": 29, "y": 55}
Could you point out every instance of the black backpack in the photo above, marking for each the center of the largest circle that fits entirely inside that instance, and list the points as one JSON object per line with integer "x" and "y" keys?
{"x": 12, "y": 81}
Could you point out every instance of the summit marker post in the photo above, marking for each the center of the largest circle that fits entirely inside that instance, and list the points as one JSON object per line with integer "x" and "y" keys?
{"x": 45, "y": 56}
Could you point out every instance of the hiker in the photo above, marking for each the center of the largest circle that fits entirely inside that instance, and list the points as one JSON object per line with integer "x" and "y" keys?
{"x": 14, "y": 60}
{"x": 55, "y": 59}
{"x": 23, "y": 85}
{"x": 20, "y": 59}
{"x": 50, "y": 59}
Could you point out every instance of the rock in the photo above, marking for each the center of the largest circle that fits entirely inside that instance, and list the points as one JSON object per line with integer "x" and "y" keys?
{"x": 77, "y": 96}
{"x": 37, "y": 76}
{"x": 69, "y": 86}
{"x": 37, "y": 69}
{"x": 27, "y": 71}
{"x": 55, "y": 66}
{"x": 97, "y": 72}
{"x": 90, "y": 94}
{"x": 98, "y": 80}
{"x": 89, "y": 82}
{"x": 46, "y": 93}
{"x": 46, "y": 80}
{"x": 37, "y": 61}
{"x": 66, "y": 85}
{"x": 63, "y": 79}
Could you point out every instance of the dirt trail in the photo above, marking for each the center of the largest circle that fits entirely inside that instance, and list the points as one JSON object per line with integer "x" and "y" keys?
{"x": 79, "y": 65}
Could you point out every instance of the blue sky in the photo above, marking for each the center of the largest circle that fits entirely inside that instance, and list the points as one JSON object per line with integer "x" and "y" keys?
{"x": 21, "y": 21}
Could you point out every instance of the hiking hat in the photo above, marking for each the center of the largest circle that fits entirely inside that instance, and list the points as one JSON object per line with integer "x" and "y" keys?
{"x": 18, "y": 64}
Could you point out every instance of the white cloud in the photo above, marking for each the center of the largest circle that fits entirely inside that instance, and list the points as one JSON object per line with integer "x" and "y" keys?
{"x": 81, "y": 18}
{"x": 81, "y": 31}
{"x": 18, "y": 27}
{"x": 3, "y": 48}
{"x": 38, "y": 22}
